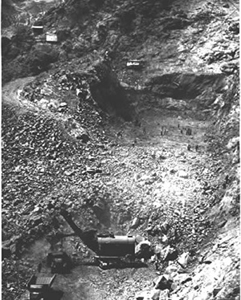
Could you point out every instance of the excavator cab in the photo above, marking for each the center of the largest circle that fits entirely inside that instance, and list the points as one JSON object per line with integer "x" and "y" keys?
{"x": 59, "y": 262}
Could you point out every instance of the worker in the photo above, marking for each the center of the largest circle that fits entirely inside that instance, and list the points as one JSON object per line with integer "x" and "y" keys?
{"x": 106, "y": 55}
{"x": 134, "y": 142}
{"x": 39, "y": 267}
{"x": 157, "y": 261}
{"x": 119, "y": 134}
{"x": 137, "y": 123}
{"x": 189, "y": 131}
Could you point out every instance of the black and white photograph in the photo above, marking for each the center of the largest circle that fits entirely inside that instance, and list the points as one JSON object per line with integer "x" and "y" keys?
{"x": 120, "y": 150}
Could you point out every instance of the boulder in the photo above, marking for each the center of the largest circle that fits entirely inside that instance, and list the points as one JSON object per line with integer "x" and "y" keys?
{"x": 170, "y": 254}
{"x": 163, "y": 282}
{"x": 144, "y": 295}
{"x": 43, "y": 103}
{"x": 81, "y": 134}
{"x": 164, "y": 239}
{"x": 234, "y": 27}
{"x": 158, "y": 249}
{"x": 143, "y": 250}
{"x": 171, "y": 269}
{"x": 183, "y": 174}
{"x": 139, "y": 239}
{"x": 184, "y": 259}
{"x": 234, "y": 142}
{"x": 154, "y": 294}
{"x": 229, "y": 68}
{"x": 135, "y": 223}
{"x": 164, "y": 295}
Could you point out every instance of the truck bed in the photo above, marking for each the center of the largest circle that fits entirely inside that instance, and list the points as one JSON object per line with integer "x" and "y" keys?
{"x": 41, "y": 279}
{"x": 44, "y": 280}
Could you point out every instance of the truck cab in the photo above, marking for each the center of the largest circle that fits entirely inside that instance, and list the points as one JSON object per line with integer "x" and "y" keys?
{"x": 58, "y": 261}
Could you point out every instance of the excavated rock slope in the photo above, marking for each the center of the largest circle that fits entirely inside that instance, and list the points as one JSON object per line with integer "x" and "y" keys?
{"x": 152, "y": 152}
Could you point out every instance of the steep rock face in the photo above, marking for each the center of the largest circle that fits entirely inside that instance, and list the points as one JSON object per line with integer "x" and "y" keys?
{"x": 8, "y": 11}
{"x": 160, "y": 170}
{"x": 106, "y": 90}
{"x": 185, "y": 86}
{"x": 225, "y": 147}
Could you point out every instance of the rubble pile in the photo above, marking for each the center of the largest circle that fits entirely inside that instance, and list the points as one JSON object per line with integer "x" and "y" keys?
{"x": 47, "y": 166}
{"x": 168, "y": 176}
{"x": 40, "y": 154}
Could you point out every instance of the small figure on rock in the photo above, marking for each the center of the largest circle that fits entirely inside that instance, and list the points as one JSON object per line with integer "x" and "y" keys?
{"x": 106, "y": 55}
{"x": 189, "y": 147}
{"x": 157, "y": 261}
{"x": 137, "y": 123}
{"x": 119, "y": 134}
{"x": 226, "y": 181}
{"x": 196, "y": 147}
{"x": 227, "y": 178}
{"x": 134, "y": 143}
{"x": 189, "y": 131}
{"x": 39, "y": 267}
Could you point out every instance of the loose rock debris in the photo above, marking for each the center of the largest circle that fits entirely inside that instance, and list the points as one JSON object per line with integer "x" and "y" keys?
{"x": 59, "y": 153}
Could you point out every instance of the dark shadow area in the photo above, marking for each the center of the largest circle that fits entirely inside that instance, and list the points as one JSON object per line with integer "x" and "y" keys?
{"x": 54, "y": 295}
{"x": 108, "y": 93}
{"x": 102, "y": 213}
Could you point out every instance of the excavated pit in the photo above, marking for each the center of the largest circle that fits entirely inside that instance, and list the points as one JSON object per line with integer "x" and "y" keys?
{"x": 166, "y": 138}
{"x": 124, "y": 151}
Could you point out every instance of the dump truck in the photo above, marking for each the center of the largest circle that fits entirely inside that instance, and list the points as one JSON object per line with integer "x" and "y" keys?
{"x": 59, "y": 262}
{"x": 39, "y": 286}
